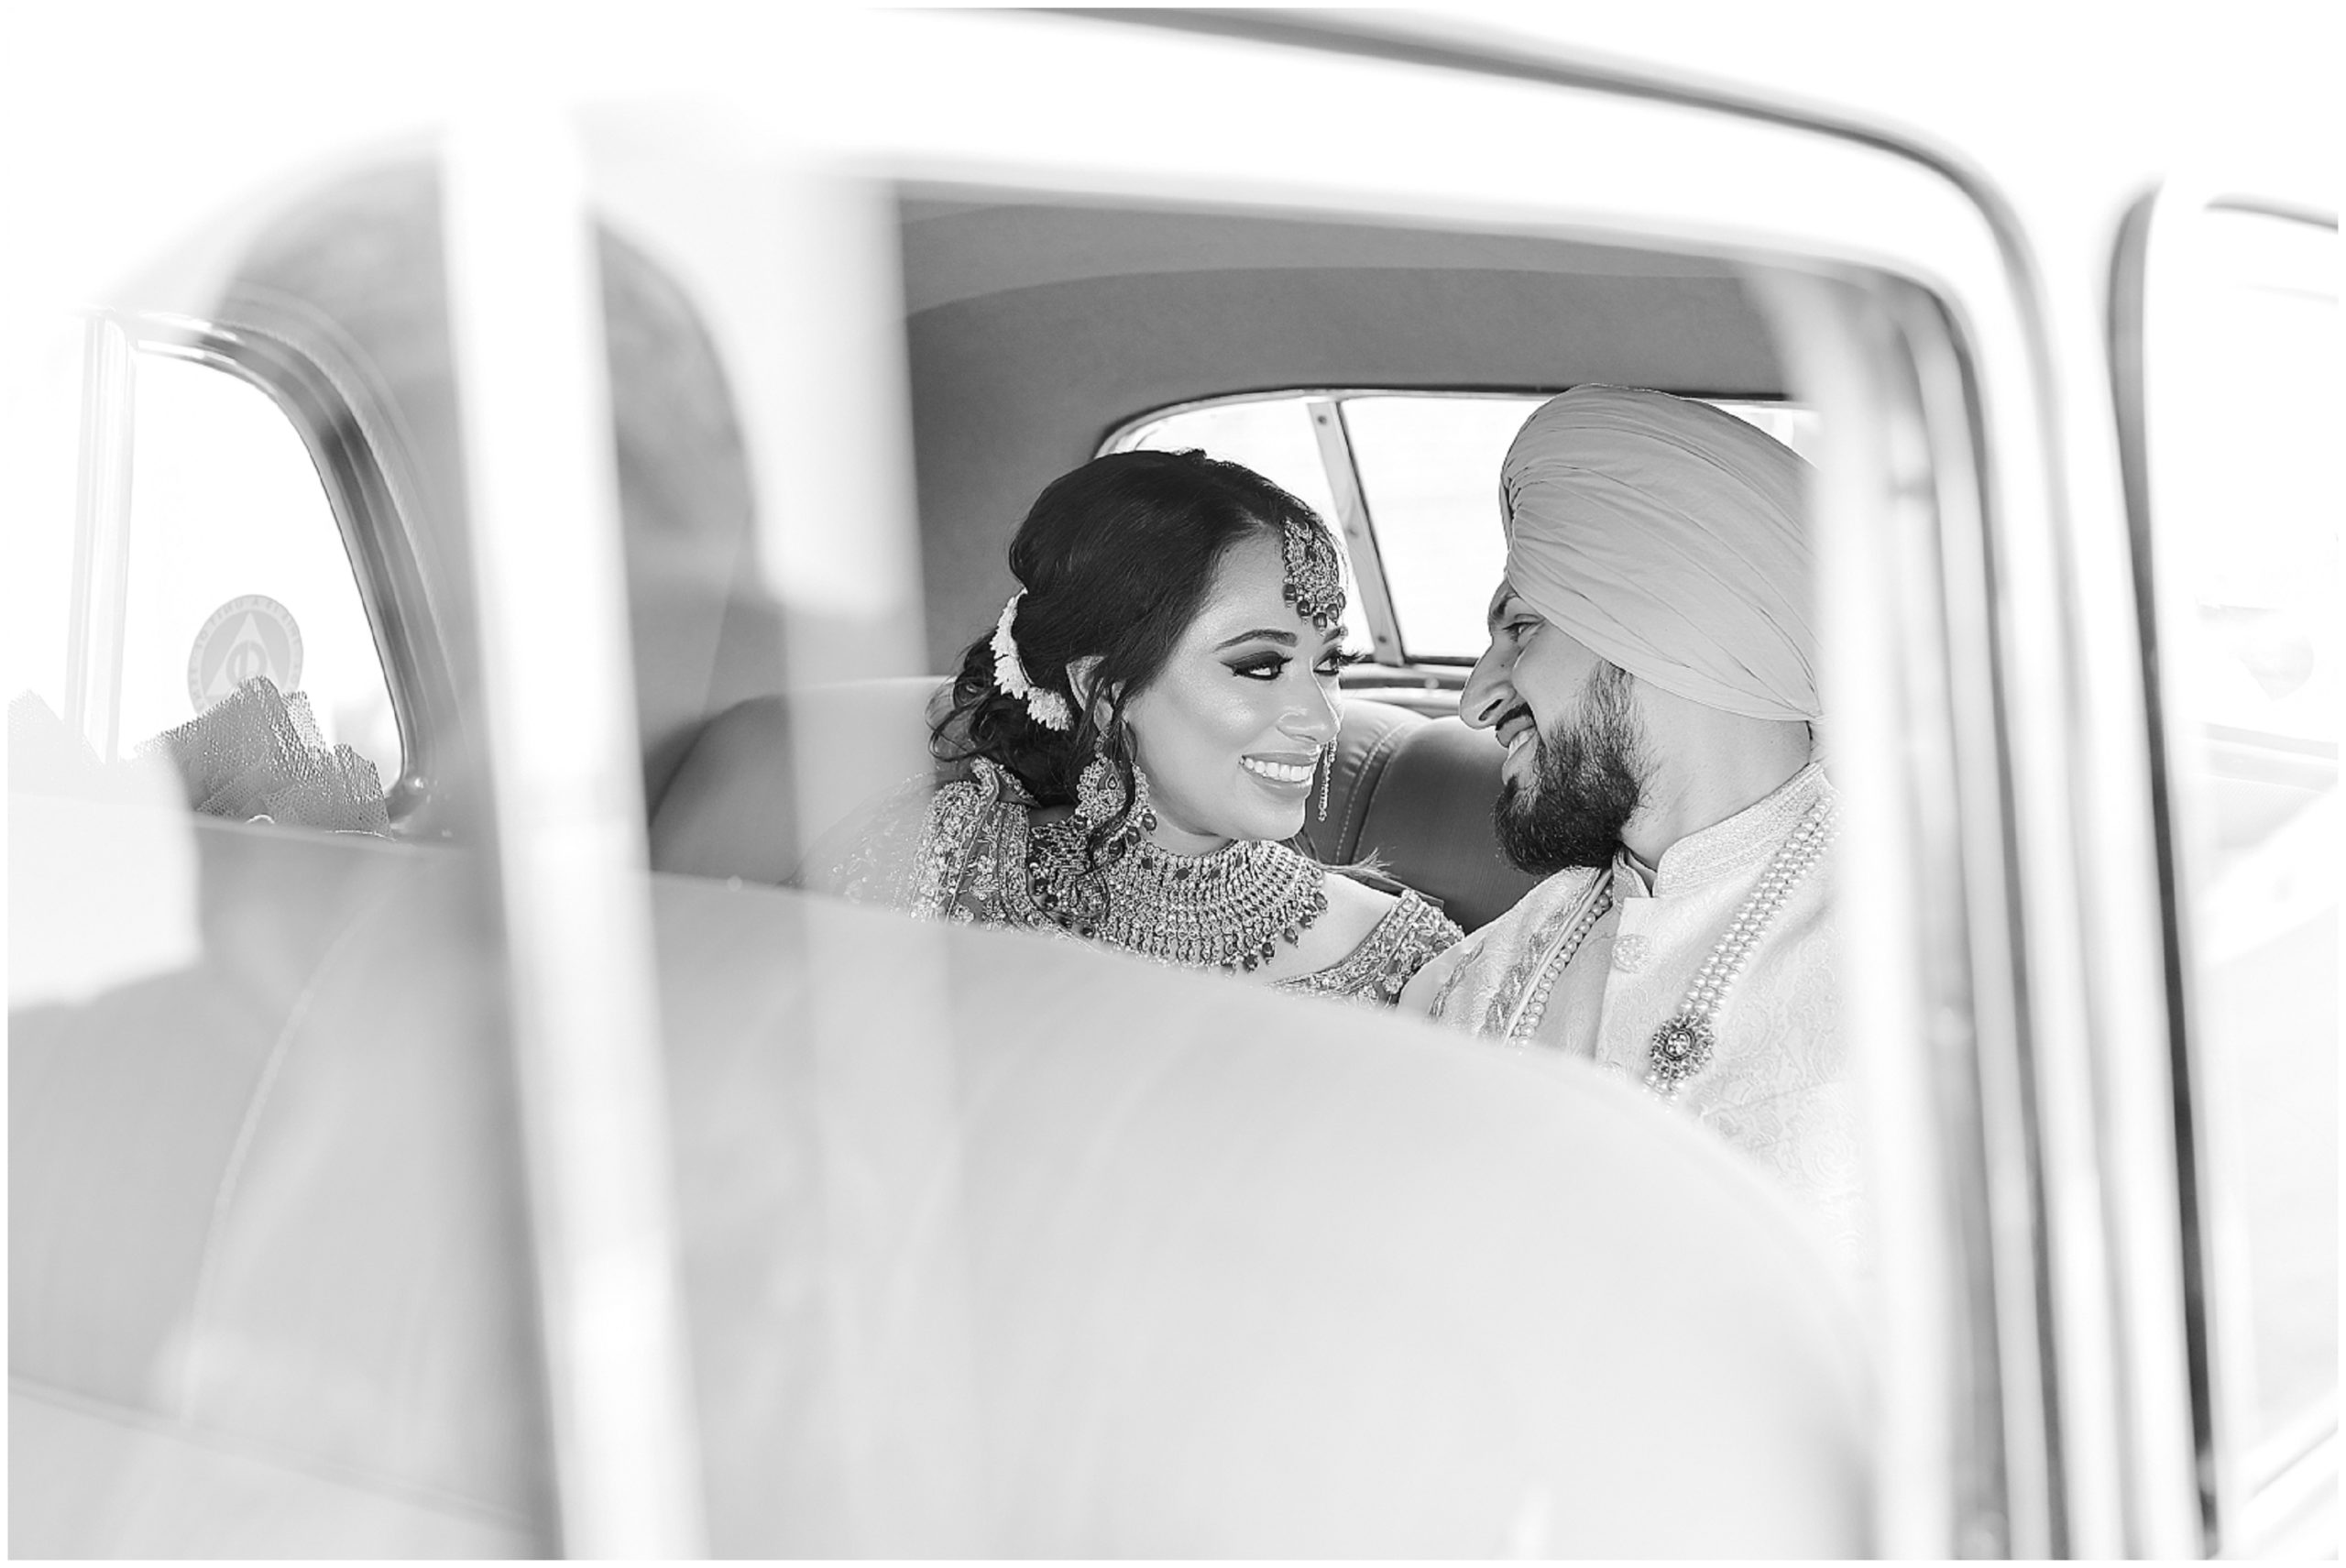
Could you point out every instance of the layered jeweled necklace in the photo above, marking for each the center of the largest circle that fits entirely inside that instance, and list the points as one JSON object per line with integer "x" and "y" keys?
{"x": 1684, "y": 1042}
{"x": 1230, "y": 909}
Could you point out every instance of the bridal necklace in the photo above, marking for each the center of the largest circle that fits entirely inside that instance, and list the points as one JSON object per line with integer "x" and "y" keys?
{"x": 1685, "y": 1041}
{"x": 1230, "y": 909}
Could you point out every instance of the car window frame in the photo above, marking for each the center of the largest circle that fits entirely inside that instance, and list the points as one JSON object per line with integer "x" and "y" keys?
{"x": 2047, "y": 1472}
{"x": 2254, "y": 1498}
{"x": 366, "y": 504}
{"x": 1923, "y": 282}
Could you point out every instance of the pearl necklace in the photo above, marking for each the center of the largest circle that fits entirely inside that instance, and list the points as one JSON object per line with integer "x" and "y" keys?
{"x": 1685, "y": 1041}
{"x": 1535, "y": 1006}
{"x": 1229, "y": 910}
{"x": 1684, "y": 1044}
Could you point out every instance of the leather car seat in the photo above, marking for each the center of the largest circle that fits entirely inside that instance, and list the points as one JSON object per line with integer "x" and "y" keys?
{"x": 1414, "y": 795}
{"x": 1410, "y": 793}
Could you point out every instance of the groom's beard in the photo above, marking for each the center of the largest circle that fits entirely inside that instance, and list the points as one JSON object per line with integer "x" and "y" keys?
{"x": 1585, "y": 785}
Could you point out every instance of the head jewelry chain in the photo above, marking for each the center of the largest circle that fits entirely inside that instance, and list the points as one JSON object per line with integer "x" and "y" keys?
{"x": 1314, "y": 585}
{"x": 1315, "y": 573}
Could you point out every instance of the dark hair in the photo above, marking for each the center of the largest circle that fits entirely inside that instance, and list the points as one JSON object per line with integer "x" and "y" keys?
{"x": 1115, "y": 558}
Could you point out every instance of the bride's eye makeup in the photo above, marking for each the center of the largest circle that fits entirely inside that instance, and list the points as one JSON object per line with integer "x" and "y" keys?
{"x": 1268, "y": 665}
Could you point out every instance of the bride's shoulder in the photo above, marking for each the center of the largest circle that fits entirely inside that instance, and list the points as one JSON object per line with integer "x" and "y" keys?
{"x": 1353, "y": 903}
{"x": 905, "y": 836}
{"x": 1355, "y": 910}
{"x": 1399, "y": 913}
{"x": 1365, "y": 919}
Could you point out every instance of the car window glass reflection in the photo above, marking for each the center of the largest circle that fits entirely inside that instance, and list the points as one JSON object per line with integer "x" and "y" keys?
{"x": 2245, "y": 532}
{"x": 237, "y": 568}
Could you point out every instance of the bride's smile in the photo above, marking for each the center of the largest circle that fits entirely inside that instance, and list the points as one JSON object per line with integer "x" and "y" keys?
{"x": 1131, "y": 748}
{"x": 1294, "y": 771}
{"x": 1230, "y": 731}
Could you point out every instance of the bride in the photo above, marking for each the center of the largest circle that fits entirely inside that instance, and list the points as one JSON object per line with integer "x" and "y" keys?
{"x": 1127, "y": 751}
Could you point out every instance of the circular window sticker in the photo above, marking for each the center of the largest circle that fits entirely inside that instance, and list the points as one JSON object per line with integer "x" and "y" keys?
{"x": 250, "y": 635}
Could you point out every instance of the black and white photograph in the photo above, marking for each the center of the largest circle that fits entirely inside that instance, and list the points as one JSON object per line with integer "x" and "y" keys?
{"x": 856, "y": 781}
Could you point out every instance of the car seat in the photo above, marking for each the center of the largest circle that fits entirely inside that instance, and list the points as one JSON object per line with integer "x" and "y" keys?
{"x": 988, "y": 1244}
{"x": 1410, "y": 794}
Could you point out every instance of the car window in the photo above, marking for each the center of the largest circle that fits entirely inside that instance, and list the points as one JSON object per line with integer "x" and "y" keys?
{"x": 2244, "y": 408}
{"x": 1273, "y": 437}
{"x": 1427, "y": 469}
{"x": 236, "y": 568}
{"x": 1431, "y": 469}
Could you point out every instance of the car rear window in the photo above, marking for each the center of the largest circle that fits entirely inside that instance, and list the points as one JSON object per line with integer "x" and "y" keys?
{"x": 1425, "y": 467}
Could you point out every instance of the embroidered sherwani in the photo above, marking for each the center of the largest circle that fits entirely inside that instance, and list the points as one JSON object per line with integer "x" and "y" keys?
{"x": 1776, "y": 1085}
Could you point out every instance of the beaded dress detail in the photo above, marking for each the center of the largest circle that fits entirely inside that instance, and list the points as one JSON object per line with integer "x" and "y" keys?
{"x": 1227, "y": 910}
{"x": 979, "y": 854}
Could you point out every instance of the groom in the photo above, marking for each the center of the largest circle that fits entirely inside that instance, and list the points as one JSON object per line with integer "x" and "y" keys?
{"x": 1651, "y": 673}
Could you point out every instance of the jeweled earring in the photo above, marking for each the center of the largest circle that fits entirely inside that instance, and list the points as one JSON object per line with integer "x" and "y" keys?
{"x": 1141, "y": 819}
{"x": 1327, "y": 775}
{"x": 1099, "y": 794}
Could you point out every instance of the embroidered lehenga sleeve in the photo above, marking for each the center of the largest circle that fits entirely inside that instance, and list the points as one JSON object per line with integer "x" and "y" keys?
{"x": 1408, "y": 938}
{"x": 920, "y": 847}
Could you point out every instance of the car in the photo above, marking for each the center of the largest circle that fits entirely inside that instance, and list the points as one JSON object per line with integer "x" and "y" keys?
{"x": 456, "y": 1136}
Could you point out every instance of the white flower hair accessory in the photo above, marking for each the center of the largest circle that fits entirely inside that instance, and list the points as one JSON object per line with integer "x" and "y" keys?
{"x": 1047, "y": 709}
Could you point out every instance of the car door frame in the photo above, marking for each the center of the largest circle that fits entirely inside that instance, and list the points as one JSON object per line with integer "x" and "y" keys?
{"x": 2036, "y": 1401}
{"x": 2281, "y": 1496}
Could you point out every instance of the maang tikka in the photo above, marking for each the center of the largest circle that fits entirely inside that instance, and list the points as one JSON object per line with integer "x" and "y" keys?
{"x": 1315, "y": 573}
{"x": 1315, "y": 586}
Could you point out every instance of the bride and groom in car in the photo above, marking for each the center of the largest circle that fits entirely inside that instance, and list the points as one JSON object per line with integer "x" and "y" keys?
{"x": 1126, "y": 754}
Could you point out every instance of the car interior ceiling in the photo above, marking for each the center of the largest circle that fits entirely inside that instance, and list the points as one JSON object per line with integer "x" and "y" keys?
{"x": 1033, "y": 328}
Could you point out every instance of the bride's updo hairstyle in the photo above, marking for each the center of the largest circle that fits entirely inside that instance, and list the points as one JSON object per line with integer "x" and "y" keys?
{"x": 1115, "y": 558}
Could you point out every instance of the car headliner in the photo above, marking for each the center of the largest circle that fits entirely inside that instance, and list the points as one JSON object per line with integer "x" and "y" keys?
{"x": 1035, "y": 328}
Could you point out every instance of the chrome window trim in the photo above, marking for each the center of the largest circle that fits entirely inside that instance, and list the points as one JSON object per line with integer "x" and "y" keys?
{"x": 2005, "y": 1221}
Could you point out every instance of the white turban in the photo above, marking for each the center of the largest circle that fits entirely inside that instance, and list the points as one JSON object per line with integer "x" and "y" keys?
{"x": 1670, "y": 538}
